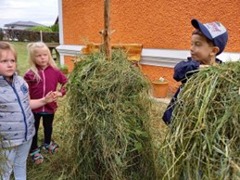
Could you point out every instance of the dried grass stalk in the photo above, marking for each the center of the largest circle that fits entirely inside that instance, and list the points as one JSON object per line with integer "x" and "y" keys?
{"x": 203, "y": 142}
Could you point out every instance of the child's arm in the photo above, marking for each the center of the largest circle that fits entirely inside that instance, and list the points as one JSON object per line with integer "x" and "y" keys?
{"x": 202, "y": 66}
{"x": 185, "y": 69}
{"x": 62, "y": 90}
{"x": 36, "y": 103}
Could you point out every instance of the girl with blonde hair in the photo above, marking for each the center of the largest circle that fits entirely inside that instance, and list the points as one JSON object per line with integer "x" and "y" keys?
{"x": 43, "y": 77}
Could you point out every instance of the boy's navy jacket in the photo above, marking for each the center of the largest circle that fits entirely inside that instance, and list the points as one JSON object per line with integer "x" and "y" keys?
{"x": 184, "y": 69}
{"x": 182, "y": 72}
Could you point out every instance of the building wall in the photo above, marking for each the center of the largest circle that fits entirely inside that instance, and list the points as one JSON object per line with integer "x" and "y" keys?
{"x": 161, "y": 24}
{"x": 69, "y": 60}
{"x": 157, "y": 24}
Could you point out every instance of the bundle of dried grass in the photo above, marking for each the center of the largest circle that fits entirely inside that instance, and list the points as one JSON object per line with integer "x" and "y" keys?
{"x": 107, "y": 133}
{"x": 2, "y": 156}
{"x": 204, "y": 139}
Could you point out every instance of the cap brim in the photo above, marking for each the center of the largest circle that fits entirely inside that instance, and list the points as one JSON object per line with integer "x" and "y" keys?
{"x": 197, "y": 25}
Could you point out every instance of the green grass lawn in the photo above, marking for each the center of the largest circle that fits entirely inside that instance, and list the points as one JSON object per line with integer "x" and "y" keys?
{"x": 23, "y": 64}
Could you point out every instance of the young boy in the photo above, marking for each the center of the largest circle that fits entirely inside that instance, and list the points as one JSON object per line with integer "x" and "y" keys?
{"x": 16, "y": 118}
{"x": 208, "y": 41}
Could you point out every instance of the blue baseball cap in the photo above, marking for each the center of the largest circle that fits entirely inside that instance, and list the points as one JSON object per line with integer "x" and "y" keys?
{"x": 214, "y": 31}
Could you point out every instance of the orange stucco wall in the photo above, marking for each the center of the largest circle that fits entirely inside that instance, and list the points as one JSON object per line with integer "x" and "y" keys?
{"x": 153, "y": 23}
{"x": 160, "y": 24}
{"x": 69, "y": 61}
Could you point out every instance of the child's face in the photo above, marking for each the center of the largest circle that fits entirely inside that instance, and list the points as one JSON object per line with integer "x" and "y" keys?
{"x": 201, "y": 50}
{"x": 7, "y": 63}
{"x": 41, "y": 58}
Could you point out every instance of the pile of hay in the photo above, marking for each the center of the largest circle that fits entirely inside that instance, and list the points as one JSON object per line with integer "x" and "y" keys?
{"x": 204, "y": 141}
{"x": 107, "y": 130}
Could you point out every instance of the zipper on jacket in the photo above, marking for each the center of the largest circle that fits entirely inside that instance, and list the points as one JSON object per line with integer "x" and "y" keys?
{"x": 44, "y": 87}
{"x": 23, "y": 112}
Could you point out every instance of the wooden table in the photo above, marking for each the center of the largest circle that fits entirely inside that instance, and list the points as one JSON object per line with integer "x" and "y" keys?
{"x": 52, "y": 48}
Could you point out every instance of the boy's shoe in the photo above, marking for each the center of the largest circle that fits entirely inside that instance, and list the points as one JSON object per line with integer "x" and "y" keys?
{"x": 36, "y": 156}
{"x": 51, "y": 148}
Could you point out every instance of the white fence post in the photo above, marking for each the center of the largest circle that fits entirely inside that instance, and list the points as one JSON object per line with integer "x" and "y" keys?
{"x": 41, "y": 38}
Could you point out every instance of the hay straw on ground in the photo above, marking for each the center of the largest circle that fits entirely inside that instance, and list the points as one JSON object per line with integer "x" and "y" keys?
{"x": 58, "y": 166}
{"x": 205, "y": 134}
{"x": 106, "y": 133}
{"x": 2, "y": 156}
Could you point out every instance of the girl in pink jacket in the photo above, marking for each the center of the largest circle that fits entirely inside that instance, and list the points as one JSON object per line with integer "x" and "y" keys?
{"x": 43, "y": 77}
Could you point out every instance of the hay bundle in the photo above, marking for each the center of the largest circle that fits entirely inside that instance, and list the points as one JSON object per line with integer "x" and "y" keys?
{"x": 107, "y": 130}
{"x": 204, "y": 140}
{"x": 3, "y": 158}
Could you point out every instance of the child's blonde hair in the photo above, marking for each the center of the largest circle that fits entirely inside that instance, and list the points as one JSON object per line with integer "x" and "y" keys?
{"x": 32, "y": 49}
{"x": 4, "y": 46}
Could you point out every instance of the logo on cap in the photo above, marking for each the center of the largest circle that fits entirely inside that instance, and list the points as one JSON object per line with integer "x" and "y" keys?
{"x": 215, "y": 29}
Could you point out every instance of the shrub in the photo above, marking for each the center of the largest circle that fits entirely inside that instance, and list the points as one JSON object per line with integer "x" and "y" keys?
{"x": 26, "y": 35}
{"x": 55, "y": 28}
{"x": 40, "y": 28}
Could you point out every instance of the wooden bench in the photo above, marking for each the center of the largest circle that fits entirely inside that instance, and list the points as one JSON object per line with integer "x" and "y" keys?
{"x": 133, "y": 50}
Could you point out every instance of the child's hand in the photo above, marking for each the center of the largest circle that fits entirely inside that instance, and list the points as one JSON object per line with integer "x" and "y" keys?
{"x": 204, "y": 66}
{"x": 57, "y": 94}
{"x": 50, "y": 97}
